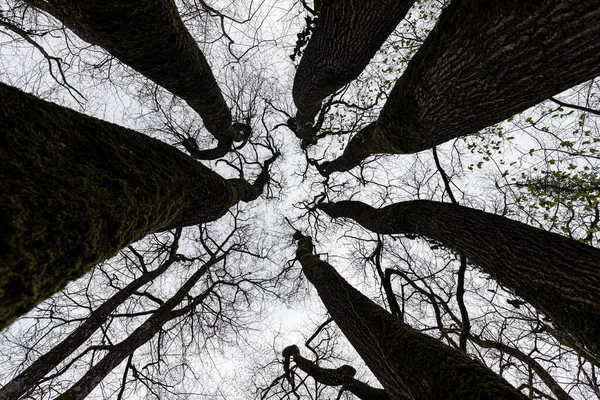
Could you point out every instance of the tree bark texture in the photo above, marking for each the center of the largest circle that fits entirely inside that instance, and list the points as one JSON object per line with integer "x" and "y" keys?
{"x": 482, "y": 63}
{"x": 141, "y": 335}
{"x": 75, "y": 190}
{"x": 557, "y": 275}
{"x": 150, "y": 37}
{"x": 408, "y": 363}
{"x": 347, "y": 35}
{"x": 26, "y": 380}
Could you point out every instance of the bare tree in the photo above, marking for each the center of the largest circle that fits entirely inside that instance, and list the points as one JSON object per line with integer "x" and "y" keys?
{"x": 344, "y": 39}
{"x": 62, "y": 216}
{"x": 27, "y": 379}
{"x": 157, "y": 45}
{"x": 557, "y": 275}
{"x": 75, "y": 189}
{"x": 408, "y": 363}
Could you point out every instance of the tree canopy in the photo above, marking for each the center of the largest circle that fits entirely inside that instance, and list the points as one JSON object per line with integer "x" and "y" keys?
{"x": 329, "y": 199}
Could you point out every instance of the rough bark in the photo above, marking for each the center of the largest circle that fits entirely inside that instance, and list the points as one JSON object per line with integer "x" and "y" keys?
{"x": 347, "y": 35}
{"x": 557, "y": 275}
{"x": 141, "y": 335}
{"x": 76, "y": 189}
{"x": 26, "y": 380}
{"x": 408, "y": 363}
{"x": 482, "y": 63}
{"x": 150, "y": 37}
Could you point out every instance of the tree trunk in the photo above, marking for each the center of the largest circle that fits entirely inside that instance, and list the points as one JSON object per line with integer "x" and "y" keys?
{"x": 26, "y": 380}
{"x": 150, "y": 37}
{"x": 408, "y": 363}
{"x": 75, "y": 190}
{"x": 347, "y": 35}
{"x": 141, "y": 335}
{"x": 557, "y": 275}
{"x": 482, "y": 63}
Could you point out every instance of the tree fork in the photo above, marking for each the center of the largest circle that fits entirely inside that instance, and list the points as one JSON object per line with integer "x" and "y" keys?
{"x": 342, "y": 376}
{"x": 557, "y": 275}
{"x": 408, "y": 363}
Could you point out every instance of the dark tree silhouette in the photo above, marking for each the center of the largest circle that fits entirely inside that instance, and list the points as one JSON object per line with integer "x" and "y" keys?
{"x": 346, "y": 36}
{"x": 557, "y": 275}
{"x": 26, "y": 380}
{"x": 342, "y": 376}
{"x": 408, "y": 363}
{"x": 482, "y": 63}
{"x": 150, "y": 37}
{"x": 166, "y": 312}
{"x": 74, "y": 189}
{"x": 63, "y": 213}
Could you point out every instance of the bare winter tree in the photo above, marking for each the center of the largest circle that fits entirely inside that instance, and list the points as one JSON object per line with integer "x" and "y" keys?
{"x": 157, "y": 45}
{"x": 555, "y": 274}
{"x": 345, "y": 37}
{"x": 408, "y": 363}
{"x": 74, "y": 190}
{"x": 212, "y": 289}
{"x": 60, "y": 217}
{"x": 28, "y": 378}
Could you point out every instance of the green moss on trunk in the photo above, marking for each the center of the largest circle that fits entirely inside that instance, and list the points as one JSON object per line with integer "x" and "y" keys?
{"x": 74, "y": 190}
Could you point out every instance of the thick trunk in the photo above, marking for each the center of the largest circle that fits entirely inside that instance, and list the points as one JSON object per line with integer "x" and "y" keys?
{"x": 408, "y": 363}
{"x": 76, "y": 189}
{"x": 483, "y": 62}
{"x": 150, "y": 37}
{"x": 347, "y": 35}
{"x": 557, "y": 275}
{"x": 140, "y": 336}
{"x": 26, "y": 380}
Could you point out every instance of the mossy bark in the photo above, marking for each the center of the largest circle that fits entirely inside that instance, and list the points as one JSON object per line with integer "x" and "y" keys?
{"x": 482, "y": 63}
{"x": 347, "y": 35}
{"x": 408, "y": 363}
{"x": 557, "y": 275}
{"x": 150, "y": 37}
{"x": 74, "y": 190}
